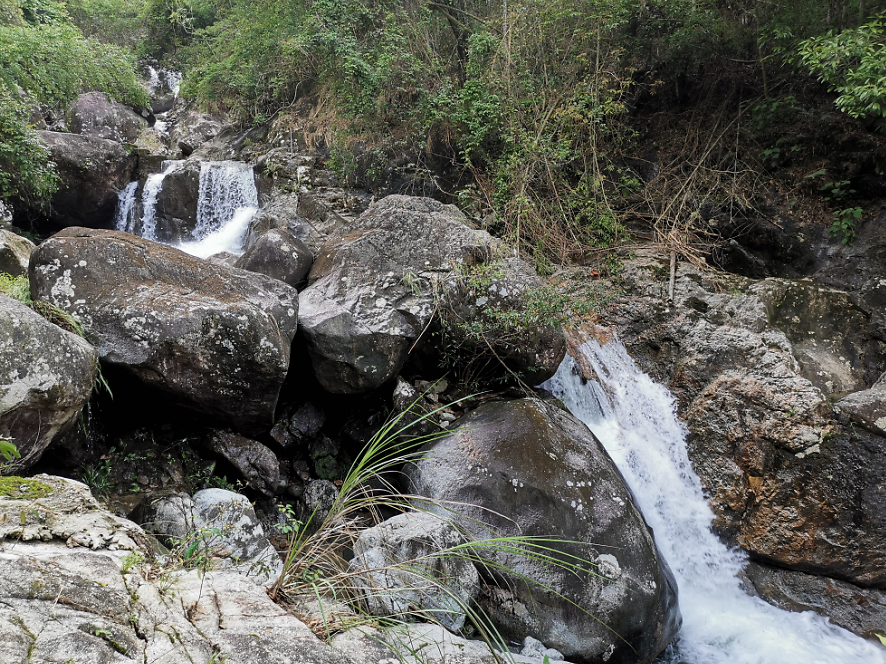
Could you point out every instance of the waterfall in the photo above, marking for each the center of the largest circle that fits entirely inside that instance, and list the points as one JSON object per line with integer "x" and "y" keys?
{"x": 227, "y": 202}
{"x": 149, "y": 199}
{"x": 124, "y": 217}
{"x": 635, "y": 420}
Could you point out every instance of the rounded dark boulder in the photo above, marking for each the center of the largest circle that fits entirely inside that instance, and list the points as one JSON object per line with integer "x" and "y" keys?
{"x": 527, "y": 467}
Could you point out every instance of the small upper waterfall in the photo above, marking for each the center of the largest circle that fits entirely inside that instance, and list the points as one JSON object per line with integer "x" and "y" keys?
{"x": 635, "y": 420}
{"x": 226, "y": 203}
{"x": 124, "y": 217}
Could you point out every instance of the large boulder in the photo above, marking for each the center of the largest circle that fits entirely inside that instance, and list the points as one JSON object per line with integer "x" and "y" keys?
{"x": 93, "y": 114}
{"x": 93, "y": 172}
{"x": 46, "y": 378}
{"x": 15, "y": 251}
{"x": 217, "y": 338}
{"x": 215, "y": 525}
{"x": 529, "y": 468}
{"x": 175, "y": 212}
{"x": 375, "y": 289}
{"x": 789, "y": 480}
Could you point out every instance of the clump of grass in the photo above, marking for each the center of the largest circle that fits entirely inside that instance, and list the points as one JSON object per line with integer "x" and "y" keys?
{"x": 18, "y": 288}
{"x": 316, "y": 561}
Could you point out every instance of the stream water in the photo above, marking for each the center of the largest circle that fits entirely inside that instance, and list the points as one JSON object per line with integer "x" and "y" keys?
{"x": 636, "y": 422}
{"x": 227, "y": 201}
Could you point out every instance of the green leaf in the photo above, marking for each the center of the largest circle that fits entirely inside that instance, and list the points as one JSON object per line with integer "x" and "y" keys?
{"x": 8, "y": 450}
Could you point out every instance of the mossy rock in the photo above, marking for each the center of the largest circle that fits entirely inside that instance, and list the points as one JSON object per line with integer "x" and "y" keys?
{"x": 23, "y": 488}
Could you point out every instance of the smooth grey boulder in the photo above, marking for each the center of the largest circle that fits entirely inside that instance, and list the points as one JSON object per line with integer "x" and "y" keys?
{"x": 527, "y": 467}
{"x": 408, "y": 564}
{"x": 867, "y": 407}
{"x": 235, "y": 534}
{"x": 256, "y": 463}
{"x": 93, "y": 114}
{"x": 373, "y": 290}
{"x": 46, "y": 378}
{"x": 15, "y": 251}
{"x": 280, "y": 255}
{"x": 93, "y": 172}
{"x": 220, "y": 525}
{"x": 217, "y": 338}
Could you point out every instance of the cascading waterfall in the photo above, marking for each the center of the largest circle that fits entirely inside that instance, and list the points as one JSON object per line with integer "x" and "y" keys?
{"x": 227, "y": 202}
{"x": 635, "y": 420}
{"x": 152, "y": 188}
{"x": 124, "y": 217}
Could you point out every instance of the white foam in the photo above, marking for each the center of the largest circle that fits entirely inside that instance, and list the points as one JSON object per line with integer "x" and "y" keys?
{"x": 635, "y": 420}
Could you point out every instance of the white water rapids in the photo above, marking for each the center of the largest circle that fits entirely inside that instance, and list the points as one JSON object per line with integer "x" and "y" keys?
{"x": 635, "y": 420}
{"x": 227, "y": 201}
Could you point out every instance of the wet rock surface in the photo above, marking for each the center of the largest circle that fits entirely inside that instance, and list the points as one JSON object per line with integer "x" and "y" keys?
{"x": 860, "y": 610}
{"x": 93, "y": 172}
{"x": 217, "y": 338}
{"x": 527, "y": 467}
{"x": 787, "y": 480}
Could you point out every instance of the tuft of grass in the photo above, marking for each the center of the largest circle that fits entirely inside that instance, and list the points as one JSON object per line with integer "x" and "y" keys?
{"x": 18, "y": 288}
{"x": 317, "y": 557}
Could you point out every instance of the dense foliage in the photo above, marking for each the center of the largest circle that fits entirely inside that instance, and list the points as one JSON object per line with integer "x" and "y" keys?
{"x": 45, "y": 62}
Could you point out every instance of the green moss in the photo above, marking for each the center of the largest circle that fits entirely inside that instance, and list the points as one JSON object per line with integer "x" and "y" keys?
{"x": 16, "y": 487}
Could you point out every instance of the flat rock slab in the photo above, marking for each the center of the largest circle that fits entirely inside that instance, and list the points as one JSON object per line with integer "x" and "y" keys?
{"x": 218, "y": 338}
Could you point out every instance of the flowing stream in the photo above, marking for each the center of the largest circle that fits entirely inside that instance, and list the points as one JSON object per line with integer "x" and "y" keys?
{"x": 227, "y": 201}
{"x": 635, "y": 420}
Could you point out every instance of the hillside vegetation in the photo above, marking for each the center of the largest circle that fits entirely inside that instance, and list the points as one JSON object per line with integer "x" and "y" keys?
{"x": 526, "y": 113}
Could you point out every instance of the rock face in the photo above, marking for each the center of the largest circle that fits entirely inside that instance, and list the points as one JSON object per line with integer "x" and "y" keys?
{"x": 373, "y": 290}
{"x": 15, "y": 251}
{"x": 93, "y": 114}
{"x": 280, "y": 255}
{"x": 93, "y": 171}
{"x": 788, "y": 482}
{"x": 407, "y": 563}
{"x": 90, "y": 599}
{"x": 527, "y": 467}
{"x": 217, "y": 338}
{"x": 862, "y": 611}
{"x": 46, "y": 378}
{"x": 193, "y": 130}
